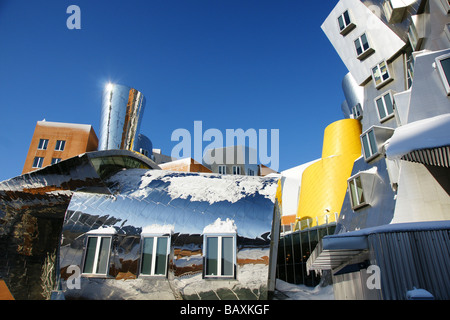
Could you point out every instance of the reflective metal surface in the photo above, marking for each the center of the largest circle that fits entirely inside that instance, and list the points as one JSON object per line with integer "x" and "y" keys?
{"x": 182, "y": 206}
{"x": 122, "y": 111}
{"x": 32, "y": 209}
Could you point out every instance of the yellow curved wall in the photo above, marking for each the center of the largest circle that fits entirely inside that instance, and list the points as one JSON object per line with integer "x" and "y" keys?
{"x": 324, "y": 183}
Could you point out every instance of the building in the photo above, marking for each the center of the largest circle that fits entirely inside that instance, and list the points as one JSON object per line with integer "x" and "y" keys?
{"x": 54, "y": 141}
{"x": 235, "y": 160}
{"x": 397, "y": 201}
{"x": 185, "y": 165}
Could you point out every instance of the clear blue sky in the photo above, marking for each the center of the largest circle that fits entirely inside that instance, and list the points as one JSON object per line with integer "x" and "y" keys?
{"x": 261, "y": 64}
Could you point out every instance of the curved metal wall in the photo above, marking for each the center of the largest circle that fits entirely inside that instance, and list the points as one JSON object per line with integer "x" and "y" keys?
{"x": 122, "y": 111}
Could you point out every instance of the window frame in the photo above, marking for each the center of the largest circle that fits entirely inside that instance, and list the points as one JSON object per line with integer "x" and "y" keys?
{"x": 56, "y": 160}
{"x": 365, "y": 52}
{"x": 97, "y": 255}
{"x": 444, "y": 77}
{"x": 357, "y": 111}
{"x": 388, "y": 116}
{"x": 236, "y": 172}
{"x": 352, "y": 181}
{"x": 154, "y": 255}
{"x": 369, "y": 143}
{"x": 379, "y": 68}
{"x": 348, "y": 26}
{"x": 222, "y": 166}
{"x": 60, "y": 143}
{"x": 45, "y": 144}
{"x": 219, "y": 237}
{"x": 39, "y": 163}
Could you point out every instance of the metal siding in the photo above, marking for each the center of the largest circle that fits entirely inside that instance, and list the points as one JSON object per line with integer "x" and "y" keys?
{"x": 412, "y": 259}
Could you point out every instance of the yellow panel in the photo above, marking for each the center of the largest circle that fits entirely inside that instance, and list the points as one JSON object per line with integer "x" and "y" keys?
{"x": 324, "y": 183}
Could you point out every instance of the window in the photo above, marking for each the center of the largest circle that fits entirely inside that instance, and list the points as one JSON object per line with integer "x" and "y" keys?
{"x": 236, "y": 170}
{"x": 385, "y": 106}
{"x": 409, "y": 69}
{"x": 38, "y": 161}
{"x": 155, "y": 251}
{"x": 60, "y": 144}
{"x": 223, "y": 169}
{"x": 380, "y": 74}
{"x": 363, "y": 49}
{"x": 345, "y": 23}
{"x": 143, "y": 151}
{"x": 369, "y": 144}
{"x": 220, "y": 256}
{"x": 357, "y": 111}
{"x": 443, "y": 66}
{"x": 356, "y": 192}
{"x": 43, "y": 143}
{"x": 55, "y": 160}
{"x": 250, "y": 172}
{"x": 394, "y": 10}
{"x": 96, "y": 259}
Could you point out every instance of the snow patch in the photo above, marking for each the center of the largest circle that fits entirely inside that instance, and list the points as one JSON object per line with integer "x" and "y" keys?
{"x": 103, "y": 230}
{"x": 158, "y": 229}
{"x": 220, "y": 226}
{"x": 302, "y": 292}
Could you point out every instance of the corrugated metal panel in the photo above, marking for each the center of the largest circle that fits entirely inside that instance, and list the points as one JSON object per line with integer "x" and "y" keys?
{"x": 418, "y": 259}
{"x": 435, "y": 157}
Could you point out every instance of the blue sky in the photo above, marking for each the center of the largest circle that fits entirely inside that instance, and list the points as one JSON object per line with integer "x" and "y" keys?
{"x": 260, "y": 64}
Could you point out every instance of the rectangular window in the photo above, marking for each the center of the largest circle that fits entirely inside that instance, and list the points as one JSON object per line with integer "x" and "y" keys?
{"x": 369, "y": 144}
{"x": 356, "y": 192}
{"x": 60, "y": 144}
{"x": 409, "y": 58}
{"x": 357, "y": 112}
{"x": 443, "y": 66}
{"x": 43, "y": 143}
{"x": 223, "y": 169}
{"x": 55, "y": 160}
{"x": 155, "y": 251}
{"x": 38, "y": 162}
{"x": 236, "y": 170}
{"x": 250, "y": 172}
{"x": 385, "y": 106}
{"x": 363, "y": 49}
{"x": 220, "y": 256}
{"x": 381, "y": 75}
{"x": 97, "y": 255}
{"x": 345, "y": 23}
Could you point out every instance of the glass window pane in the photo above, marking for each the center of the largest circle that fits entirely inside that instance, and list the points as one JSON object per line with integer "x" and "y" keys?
{"x": 90, "y": 255}
{"x": 227, "y": 256}
{"x": 211, "y": 256}
{"x": 341, "y": 23}
{"x": 376, "y": 75}
{"x": 347, "y": 18}
{"x": 389, "y": 104}
{"x": 358, "y": 47}
{"x": 373, "y": 142}
{"x": 353, "y": 193}
{"x": 103, "y": 255}
{"x": 161, "y": 256}
{"x": 364, "y": 41}
{"x": 147, "y": 253}
{"x": 367, "y": 150}
{"x": 380, "y": 106}
{"x": 359, "y": 190}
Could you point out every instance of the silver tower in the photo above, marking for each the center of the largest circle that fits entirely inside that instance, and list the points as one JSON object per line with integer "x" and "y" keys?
{"x": 122, "y": 111}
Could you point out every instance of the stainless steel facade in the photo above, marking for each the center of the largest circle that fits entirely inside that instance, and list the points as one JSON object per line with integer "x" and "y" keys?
{"x": 122, "y": 111}
{"x": 32, "y": 209}
{"x": 182, "y": 207}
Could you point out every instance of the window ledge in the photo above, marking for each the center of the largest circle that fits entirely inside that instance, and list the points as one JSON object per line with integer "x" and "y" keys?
{"x": 347, "y": 29}
{"x": 366, "y": 54}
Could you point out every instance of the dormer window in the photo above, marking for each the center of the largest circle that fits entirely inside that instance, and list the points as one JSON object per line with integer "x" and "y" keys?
{"x": 416, "y": 31}
{"x": 394, "y": 10}
{"x": 345, "y": 23}
{"x": 373, "y": 141}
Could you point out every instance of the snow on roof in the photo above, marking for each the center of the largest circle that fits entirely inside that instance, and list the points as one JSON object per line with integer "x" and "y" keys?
{"x": 219, "y": 226}
{"x": 86, "y": 127}
{"x": 206, "y": 187}
{"x": 423, "y": 134}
